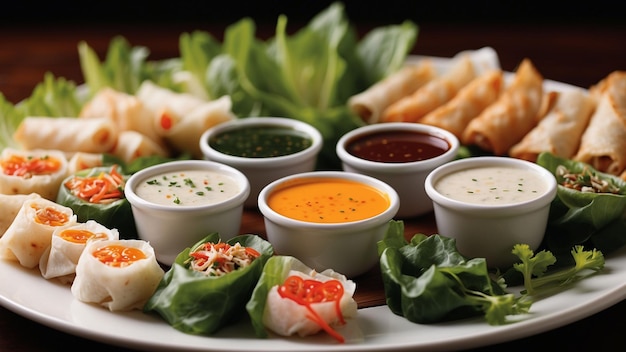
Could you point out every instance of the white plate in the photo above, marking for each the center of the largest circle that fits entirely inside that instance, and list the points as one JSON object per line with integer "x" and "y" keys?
{"x": 27, "y": 293}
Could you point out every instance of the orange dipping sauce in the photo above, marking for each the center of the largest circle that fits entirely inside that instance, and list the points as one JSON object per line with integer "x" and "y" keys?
{"x": 327, "y": 200}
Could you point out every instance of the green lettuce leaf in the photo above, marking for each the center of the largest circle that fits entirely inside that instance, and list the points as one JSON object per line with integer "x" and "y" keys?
{"x": 201, "y": 305}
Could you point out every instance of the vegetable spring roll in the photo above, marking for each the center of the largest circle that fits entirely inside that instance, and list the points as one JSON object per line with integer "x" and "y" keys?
{"x": 559, "y": 131}
{"x": 191, "y": 296}
{"x": 37, "y": 171}
{"x": 603, "y": 143}
{"x": 506, "y": 121}
{"x": 30, "y": 233}
{"x": 370, "y": 103}
{"x": 10, "y": 205}
{"x": 132, "y": 145}
{"x": 433, "y": 94}
{"x": 288, "y": 300}
{"x": 98, "y": 194}
{"x": 117, "y": 274}
{"x": 181, "y": 118}
{"x": 125, "y": 110}
{"x": 67, "y": 244}
{"x": 470, "y": 101}
{"x": 81, "y": 161}
{"x": 68, "y": 134}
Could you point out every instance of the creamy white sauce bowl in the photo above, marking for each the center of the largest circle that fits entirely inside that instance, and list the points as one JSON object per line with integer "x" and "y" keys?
{"x": 172, "y": 227}
{"x": 490, "y": 230}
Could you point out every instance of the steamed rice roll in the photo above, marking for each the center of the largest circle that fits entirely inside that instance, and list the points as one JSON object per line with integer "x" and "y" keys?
{"x": 117, "y": 274}
{"x": 30, "y": 234}
{"x": 38, "y": 171}
{"x": 293, "y": 299}
{"x": 60, "y": 259}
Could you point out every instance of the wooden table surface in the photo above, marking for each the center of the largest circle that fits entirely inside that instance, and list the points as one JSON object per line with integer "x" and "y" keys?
{"x": 579, "y": 54}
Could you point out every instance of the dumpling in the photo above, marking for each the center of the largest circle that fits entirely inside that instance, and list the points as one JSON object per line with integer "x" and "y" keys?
{"x": 30, "y": 234}
{"x": 38, "y": 171}
{"x": 117, "y": 274}
{"x": 60, "y": 259}
{"x": 287, "y": 300}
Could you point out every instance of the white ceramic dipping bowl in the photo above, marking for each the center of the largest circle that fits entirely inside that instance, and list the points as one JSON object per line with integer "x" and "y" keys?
{"x": 427, "y": 147}
{"x": 260, "y": 171}
{"x": 488, "y": 212}
{"x": 345, "y": 246}
{"x": 172, "y": 221}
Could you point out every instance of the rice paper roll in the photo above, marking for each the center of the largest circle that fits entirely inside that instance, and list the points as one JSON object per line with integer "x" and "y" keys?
{"x": 603, "y": 143}
{"x": 117, "y": 274}
{"x": 369, "y": 104}
{"x": 126, "y": 111}
{"x": 10, "y": 205}
{"x": 505, "y": 122}
{"x": 436, "y": 92}
{"x": 36, "y": 171}
{"x": 132, "y": 145}
{"x": 560, "y": 130}
{"x": 283, "y": 301}
{"x": 181, "y": 118}
{"x": 30, "y": 233}
{"x": 208, "y": 285}
{"x": 60, "y": 259}
{"x": 98, "y": 194}
{"x": 81, "y": 161}
{"x": 68, "y": 134}
{"x": 470, "y": 101}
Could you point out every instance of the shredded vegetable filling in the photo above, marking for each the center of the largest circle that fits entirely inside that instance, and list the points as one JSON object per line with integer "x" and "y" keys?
{"x": 585, "y": 181}
{"x": 118, "y": 256}
{"x": 309, "y": 291}
{"x": 101, "y": 189}
{"x": 27, "y": 167}
{"x": 217, "y": 259}
{"x": 49, "y": 216}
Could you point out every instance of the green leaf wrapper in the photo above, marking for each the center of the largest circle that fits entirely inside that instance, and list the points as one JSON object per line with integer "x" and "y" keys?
{"x": 595, "y": 220}
{"x": 117, "y": 214}
{"x": 197, "y": 304}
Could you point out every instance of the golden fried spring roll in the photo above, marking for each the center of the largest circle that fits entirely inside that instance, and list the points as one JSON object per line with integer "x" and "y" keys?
{"x": 506, "y": 121}
{"x": 38, "y": 171}
{"x": 68, "y": 134}
{"x": 559, "y": 131}
{"x": 30, "y": 234}
{"x": 370, "y": 103}
{"x": 470, "y": 101}
{"x": 433, "y": 94}
{"x": 603, "y": 143}
{"x": 127, "y": 112}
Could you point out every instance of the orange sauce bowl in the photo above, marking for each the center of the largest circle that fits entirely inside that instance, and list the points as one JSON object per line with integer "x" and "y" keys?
{"x": 328, "y": 219}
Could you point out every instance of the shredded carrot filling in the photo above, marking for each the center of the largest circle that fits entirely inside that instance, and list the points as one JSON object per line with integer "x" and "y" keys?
{"x": 118, "y": 256}
{"x": 80, "y": 236}
{"x": 307, "y": 292}
{"x": 49, "y": 216}
{"x": 166, "y": 121}
{"x": 100, "y": 189}
{"x": 217, "y": 259}
{"x": 28, "y": 166}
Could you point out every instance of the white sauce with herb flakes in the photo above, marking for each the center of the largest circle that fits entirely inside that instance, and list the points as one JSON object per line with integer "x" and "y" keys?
{"x": 188, "y": 188}
{"x": 492, "y": 185}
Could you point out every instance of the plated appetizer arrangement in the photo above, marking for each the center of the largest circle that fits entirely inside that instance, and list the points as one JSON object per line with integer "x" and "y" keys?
{"x": 64, "y": 174}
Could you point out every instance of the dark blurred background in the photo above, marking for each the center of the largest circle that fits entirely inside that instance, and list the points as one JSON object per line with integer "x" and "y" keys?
{"x": 375, "y": 12}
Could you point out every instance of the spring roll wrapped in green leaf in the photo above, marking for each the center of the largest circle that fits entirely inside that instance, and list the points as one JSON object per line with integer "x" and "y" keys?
{"x": 98, "y": 194}
{"x": 209, "y": 283}
{"x": 589, "y": 209}
{"x": 291, "y": 298}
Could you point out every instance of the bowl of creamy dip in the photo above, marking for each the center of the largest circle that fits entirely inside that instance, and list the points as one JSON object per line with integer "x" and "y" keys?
{"x": 490, "y": 203}
{"x": 328, "y": 219}
{"x": 401, "y": 154}
{"x": 263, "y": 148}
{"x": 177, "y": 203}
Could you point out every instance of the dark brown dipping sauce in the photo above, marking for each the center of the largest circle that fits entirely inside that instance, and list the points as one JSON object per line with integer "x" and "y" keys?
{"x": 397, "y": 146}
